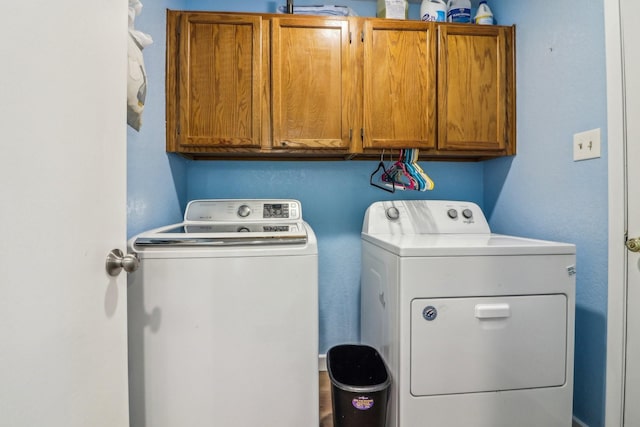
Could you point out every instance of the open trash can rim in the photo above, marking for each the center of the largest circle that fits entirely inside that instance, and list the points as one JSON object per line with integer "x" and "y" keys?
{"x": 355, "y": 388}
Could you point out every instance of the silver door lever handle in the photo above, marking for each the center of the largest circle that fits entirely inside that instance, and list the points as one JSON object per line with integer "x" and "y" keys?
{"x": 116, "y": 261}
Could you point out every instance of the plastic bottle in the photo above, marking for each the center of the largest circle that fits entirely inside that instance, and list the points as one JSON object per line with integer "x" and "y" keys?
{"x": 459, "y": 11}
{"x": 484, "y": 15}
{"x": 395, "y": 9}
{"x": 433, "y": 10}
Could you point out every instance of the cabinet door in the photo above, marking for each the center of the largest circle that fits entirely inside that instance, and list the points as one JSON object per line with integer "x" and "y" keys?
{"x": 216, "y": 81}
{"x": 399, "y": 84}
{"x": 310, "y": 83}
{"x": 475, "y": 89}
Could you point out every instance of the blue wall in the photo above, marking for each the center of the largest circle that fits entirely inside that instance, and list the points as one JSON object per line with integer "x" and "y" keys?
{"x": 540, "y": 192}
{"x": 334, "y": 197}
{"x": 156, "y": 182}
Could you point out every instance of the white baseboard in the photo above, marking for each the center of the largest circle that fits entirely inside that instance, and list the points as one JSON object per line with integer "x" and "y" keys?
{"x": 322, "y": 362}
{"x": 578, "y": 423}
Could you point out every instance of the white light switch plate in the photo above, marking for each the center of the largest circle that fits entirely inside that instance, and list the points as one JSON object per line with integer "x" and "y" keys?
{"x": 586, "y": 145}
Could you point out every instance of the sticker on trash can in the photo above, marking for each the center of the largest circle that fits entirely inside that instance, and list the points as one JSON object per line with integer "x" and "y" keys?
{"x": 362, "y": 403}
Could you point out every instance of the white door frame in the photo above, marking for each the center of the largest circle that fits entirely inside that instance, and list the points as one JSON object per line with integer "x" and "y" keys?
{"x": 616, "y": 312}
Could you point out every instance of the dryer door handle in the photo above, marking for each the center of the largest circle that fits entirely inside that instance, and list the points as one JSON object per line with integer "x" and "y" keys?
{"x": 492, "y": 311}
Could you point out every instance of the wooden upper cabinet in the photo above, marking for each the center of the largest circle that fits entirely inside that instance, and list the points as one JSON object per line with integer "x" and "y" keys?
{"x": 311, "y": 90}
{"x": 476, "y": 89}
{"x": 293, "y": 86}
{"x": 399, "y": 74}
{"x": 214, "y": 81}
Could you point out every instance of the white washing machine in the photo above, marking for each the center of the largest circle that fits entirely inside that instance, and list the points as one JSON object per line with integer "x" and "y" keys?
{"x": 476, "y": 328}
{"x": 223, "y": 318}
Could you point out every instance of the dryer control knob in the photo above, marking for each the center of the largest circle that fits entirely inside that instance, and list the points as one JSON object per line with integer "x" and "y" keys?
{"x": 244, "y": 211}
{"x": 393, "y": 213}
{"x": 453, "y": 214}
{"x": 430, "y": 313}
{"x": 467, "y": 213}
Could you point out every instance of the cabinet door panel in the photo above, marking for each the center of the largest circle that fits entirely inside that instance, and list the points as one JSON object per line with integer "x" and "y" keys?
{"x": 399, "y": 85}
{"x": 219, "y": 80}
{"x": 472, "y": 88}
{"x": 310, "y": 78}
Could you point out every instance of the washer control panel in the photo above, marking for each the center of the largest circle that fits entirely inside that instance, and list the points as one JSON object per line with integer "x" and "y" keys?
{"x": 243, "y": 210}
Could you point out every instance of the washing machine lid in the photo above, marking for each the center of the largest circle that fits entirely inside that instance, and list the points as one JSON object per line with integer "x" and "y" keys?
{"x": 239, "y": 234}
{"x": 444, "y": 228}
{"x": 231, "y": 223}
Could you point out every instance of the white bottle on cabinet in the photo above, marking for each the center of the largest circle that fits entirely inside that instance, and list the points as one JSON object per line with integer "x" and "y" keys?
{"x": 433, "y": 10}
{"x": 484, "y": 16}
{"x": 459, "y": 11}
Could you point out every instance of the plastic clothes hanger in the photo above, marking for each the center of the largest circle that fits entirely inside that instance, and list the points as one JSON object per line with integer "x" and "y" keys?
{"x": 426, "y": 182}
{"x": 422, "y": 183}
{"x": 408, "y": 164}
{"x": 400, "y": 175}
{"x": 382, "y": 182}
{"x": 404, "y": 174}
{"x": 429, "y": 184}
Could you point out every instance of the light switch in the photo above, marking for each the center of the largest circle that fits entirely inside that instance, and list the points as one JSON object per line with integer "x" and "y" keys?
{"x": 586, "y": 145}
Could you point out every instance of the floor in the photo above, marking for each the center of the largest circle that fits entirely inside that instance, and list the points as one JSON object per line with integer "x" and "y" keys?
{"x": 326, "y": 414}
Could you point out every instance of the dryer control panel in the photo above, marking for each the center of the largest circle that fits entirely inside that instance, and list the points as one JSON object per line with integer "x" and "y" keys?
{"x": 425, "y": 217}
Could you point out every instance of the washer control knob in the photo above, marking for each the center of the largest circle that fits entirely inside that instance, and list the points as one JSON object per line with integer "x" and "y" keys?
{"x": 244, "y": 211}
{"x": 243, "y": 230}
{"x": 467, "y": 213}
{"x": 393, "y": 213}
{"x": 453, "y": 214}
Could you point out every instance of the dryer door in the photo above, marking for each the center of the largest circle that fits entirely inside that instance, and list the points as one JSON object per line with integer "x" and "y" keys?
{"x": 467, "y": 345}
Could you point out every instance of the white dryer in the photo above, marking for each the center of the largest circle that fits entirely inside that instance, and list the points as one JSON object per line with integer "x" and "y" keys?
{"x": 477, "y": 329}
{"x": 223, "y": 318}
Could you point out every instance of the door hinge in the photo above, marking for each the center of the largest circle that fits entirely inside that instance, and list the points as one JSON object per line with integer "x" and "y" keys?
{"x": 349, "y": 37}
{"x": 361, "y": 134}
{"x": 350, "y": 134}
{"x": 362, "y": 36}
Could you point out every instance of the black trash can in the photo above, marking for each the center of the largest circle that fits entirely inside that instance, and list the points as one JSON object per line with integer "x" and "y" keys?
{"x": 359, "y": 386}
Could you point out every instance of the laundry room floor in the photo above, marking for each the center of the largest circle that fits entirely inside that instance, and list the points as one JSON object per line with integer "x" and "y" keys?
{"x": 326, "y": 415}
